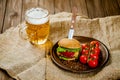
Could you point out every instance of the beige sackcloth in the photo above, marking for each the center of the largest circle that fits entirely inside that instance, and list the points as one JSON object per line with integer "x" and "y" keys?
{"x": 24, "y": 61}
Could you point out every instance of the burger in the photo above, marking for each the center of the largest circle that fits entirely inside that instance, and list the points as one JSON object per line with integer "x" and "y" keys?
{"x": 68, "y": 49}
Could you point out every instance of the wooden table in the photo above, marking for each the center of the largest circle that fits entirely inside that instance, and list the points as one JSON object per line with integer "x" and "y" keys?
{"x": 12, "y": 11}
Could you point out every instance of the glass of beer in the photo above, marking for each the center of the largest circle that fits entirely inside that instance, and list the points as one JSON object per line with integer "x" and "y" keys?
{"x": 36, "y": 25}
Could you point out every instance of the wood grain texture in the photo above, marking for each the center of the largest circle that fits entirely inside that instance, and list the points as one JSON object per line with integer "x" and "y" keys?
{"x": 27, "y": 4}
{"x": 111, "y": 7}
{"x": 62, "y": 5}
{"x": 2, "y": 13}
{"x": 102, "y": 8}
{"x": 13, "y": 14}
{"x": 81, "y": 6}
{"x": 4, "y": 75}
{"x": 47, "y": 4}
{"x": 118, "y": 1}
{"x": 95, "y": 8}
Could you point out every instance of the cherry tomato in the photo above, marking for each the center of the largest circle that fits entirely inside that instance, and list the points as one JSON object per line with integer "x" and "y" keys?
{"x": 87, "y": 48}
{"x": 85, "y": 51}
{"x": 90, "y": 54}
{"x": 97, "y": 50}
{"x": 92, "y": 48}
{"x": 97, "y": 44}
{"x": 83, "y": 46}
{"x": 83, "y": 59}
{"x": 94, "y": 56}
{"x": 93, "y": 63}
{"x": 94, "y": 43}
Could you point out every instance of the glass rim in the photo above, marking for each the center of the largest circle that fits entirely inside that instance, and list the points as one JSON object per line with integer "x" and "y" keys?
{"x": 29, "y": 10}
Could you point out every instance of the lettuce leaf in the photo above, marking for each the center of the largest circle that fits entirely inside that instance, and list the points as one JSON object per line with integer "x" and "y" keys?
{"x": 63, "y": 58}
{"x": 61, "y": 49}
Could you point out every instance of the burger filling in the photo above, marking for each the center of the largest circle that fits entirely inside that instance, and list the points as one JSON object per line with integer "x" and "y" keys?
{"x": 67, "y": 53}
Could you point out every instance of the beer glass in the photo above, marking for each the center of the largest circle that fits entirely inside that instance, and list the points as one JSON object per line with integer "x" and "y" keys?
{"x": 36, "y": 25}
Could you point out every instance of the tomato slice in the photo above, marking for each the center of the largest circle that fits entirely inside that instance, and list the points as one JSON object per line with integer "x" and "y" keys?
{"x": 68, "y": 54}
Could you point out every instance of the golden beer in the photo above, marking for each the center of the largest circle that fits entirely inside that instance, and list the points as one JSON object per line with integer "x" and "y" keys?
{"x": 37, "y": 25}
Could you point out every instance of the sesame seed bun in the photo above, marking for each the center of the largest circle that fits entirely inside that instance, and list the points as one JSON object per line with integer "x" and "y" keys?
{"x": 69, "y": 43}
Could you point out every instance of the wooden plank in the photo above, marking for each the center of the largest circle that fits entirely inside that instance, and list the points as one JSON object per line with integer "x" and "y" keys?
{"x": 118, "y": 1}
{"x": 81, "y": 5}
{"x": 62, "y": 5}
{"x": 111, "y": 7}
{"x": 27, "y": 4}
{"x": 13, "y": 14}
{"x": 2, "y": 12}
{"x": 102, "y": 8}
{"x": 4, "y": 75}
{"x": 47, "y": 4}
{"x": 95, "y": 8}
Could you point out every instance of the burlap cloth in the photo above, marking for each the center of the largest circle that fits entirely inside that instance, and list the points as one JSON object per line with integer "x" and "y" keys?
{"x": 24, "y": 61}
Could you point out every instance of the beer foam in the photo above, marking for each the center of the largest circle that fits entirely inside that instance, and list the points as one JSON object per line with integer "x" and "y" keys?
{"x": 36, "y": 16}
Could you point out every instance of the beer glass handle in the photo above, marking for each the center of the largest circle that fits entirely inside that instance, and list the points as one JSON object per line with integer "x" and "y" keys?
{"x": 22, "y": 31}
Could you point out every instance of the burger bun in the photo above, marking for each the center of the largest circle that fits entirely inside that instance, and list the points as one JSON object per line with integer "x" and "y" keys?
{"x": 69, "y": 43}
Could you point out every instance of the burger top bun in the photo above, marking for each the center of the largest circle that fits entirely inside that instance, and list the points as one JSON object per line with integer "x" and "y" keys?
{"x": 69, "y": 43}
